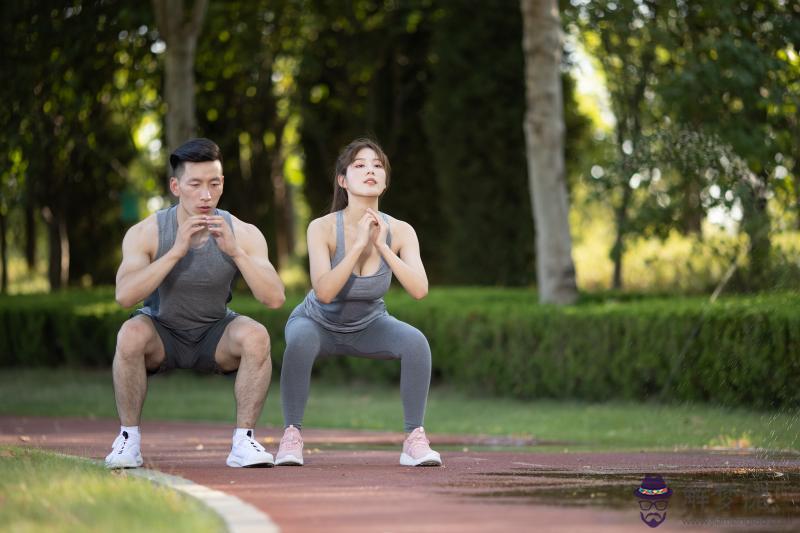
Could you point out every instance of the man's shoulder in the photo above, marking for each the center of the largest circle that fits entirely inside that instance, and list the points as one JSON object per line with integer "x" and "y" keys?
{"x": 142, "y": 235}
{"x": 144, "y": 227}
{"x": 244, "y": 229}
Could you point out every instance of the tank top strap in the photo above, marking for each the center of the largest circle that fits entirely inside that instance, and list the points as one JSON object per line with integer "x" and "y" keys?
{"x": 167, "y": 220}
{"x": 389, "y": 232}
{"x": 227, "y": 216}
{"x": 338, "y": 255}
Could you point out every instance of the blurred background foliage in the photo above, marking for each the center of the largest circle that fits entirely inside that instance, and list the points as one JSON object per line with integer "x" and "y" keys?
{"x": 681, "y": 142}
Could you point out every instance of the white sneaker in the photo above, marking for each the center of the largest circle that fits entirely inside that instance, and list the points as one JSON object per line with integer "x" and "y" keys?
{"x": 247, "y": 452}
{"x": 125, "y": 453}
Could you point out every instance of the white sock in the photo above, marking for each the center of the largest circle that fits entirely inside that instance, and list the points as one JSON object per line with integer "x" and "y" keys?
{"x": 240, "y": 433}
{"x": 133, "y": 432}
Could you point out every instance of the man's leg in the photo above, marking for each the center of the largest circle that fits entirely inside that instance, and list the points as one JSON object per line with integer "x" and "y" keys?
{"x": 139, "y": 348}
{"x": 245, "y": 346}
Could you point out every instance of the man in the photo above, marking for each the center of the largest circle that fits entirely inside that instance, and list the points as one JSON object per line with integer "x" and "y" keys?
{"x": 183, "y": 261}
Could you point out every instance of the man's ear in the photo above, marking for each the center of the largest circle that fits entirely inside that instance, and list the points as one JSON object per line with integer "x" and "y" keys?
{"x": 173, "y": 186}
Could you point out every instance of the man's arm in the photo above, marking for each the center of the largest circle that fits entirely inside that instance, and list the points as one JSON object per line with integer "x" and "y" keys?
{"x": 248, "y": 249}
{"x": 138, "y": 274}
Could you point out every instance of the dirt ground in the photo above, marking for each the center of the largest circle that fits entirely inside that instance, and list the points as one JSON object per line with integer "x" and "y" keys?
{"x": 352, "y": 481}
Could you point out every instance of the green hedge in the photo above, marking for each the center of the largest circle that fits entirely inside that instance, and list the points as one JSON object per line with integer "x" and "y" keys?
{"x": 737, "y": 351}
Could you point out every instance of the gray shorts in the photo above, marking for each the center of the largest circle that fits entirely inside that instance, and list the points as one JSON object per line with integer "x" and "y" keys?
{"x": 199, "y": 355}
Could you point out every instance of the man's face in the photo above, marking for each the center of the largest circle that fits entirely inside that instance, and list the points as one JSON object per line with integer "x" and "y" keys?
{"x": 198, "y": 187}
{"x": 653, "y": 512}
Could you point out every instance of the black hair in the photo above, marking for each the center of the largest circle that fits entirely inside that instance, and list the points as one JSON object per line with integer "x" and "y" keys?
{"x": 194, "y": 151}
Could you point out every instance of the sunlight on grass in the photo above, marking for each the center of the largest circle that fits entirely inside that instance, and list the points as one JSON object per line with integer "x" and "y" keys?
{"x": 41, "y": 491}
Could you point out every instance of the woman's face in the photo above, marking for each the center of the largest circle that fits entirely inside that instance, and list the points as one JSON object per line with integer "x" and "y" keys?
{"x": 366, "y": 175}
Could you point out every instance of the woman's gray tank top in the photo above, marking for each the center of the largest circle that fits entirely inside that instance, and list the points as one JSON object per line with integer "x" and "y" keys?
{"x": 195, "y": 293}
{"x": 361, "y": 299}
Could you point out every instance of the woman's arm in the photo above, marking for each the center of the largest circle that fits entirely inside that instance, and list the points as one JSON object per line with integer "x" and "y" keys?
{"x": 407, "y": 266}
{"x": 327, "y": 281}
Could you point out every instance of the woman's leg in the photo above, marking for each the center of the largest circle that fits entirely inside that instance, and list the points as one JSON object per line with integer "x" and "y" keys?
{"x": 305, "y": 341}
{"x": 388, "y": 337}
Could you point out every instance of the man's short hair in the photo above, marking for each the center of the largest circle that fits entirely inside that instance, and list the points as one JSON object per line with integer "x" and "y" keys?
{"x": 194, "y": 151}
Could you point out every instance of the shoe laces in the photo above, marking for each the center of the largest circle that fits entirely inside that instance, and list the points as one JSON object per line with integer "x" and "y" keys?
{"x": 291, "y": 437}
{"x": 253, "y": 442}
{"x": 418, "y": 443}
{"x": 120, "y": 442}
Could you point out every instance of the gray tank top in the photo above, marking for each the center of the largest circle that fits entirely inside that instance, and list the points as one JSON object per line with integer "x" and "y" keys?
{"x": 195, "y": 293}
{"x": 361, "y": 299}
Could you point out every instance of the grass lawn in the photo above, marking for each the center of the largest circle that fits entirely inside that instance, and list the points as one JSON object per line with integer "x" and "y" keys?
{"x": 584, "y": 426}
{"x": 41, "y": 491}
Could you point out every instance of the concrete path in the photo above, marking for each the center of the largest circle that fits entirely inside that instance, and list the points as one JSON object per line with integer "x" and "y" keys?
{"x": 352, "y": 481}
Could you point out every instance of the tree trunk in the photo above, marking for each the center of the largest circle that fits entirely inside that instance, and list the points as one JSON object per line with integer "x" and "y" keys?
{"x": 756, "y": 224}
{"x": 797, "y": 199}
{"x": 284, "y": 238}
{"x": 30, "y": 231}
{"x": 544, "y": 139}
{"x": 618, "y": 249}
{"x": 693, "y": 212}
{"x": 58, "y": 241}
{"x": 180, "y": 36}
{"x": 3, "y": 256}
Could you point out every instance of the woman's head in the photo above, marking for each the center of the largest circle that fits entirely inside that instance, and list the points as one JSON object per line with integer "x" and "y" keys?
{"x": 357, "y": 157}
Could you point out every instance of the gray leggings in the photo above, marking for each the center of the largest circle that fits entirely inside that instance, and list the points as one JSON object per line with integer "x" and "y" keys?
{"x": 384, "y": 338}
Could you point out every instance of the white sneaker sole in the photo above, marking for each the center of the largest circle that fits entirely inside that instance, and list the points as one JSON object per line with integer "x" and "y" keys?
{"x": 432, "y": 459}
{"x": 289, "y": 460}
{"x": 134, "y": 462}
{"x": 238, "y": 462}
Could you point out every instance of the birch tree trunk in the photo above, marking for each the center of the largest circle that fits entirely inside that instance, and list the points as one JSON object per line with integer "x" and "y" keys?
{"x": 544, "y": 139}
{"x": 180, "y": 35}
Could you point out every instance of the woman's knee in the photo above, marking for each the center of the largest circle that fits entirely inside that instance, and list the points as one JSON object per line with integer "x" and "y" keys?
{"x": 414, "y": 343}
{"x": 303, "y": 332}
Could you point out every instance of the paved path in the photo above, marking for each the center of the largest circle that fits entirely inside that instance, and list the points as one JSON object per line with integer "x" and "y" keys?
{"x": 344, "y": 488}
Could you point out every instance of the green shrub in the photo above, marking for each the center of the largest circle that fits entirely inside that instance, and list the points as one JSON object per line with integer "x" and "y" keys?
{"x": 737, "y": 351}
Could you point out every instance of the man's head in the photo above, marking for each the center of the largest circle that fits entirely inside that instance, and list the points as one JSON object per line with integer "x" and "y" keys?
{"x": 197, "y": 178}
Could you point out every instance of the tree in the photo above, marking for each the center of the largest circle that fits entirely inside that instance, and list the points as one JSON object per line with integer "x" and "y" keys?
{"x": 544, "y": 135}
{"x": 68, "y": 129}
{"x": 731, "y": 72}
{"x": 473, "y": 112}
{"x": 364, "y": 69}
{"x": 240, "y": 72}
{"x": 179, "y": 27}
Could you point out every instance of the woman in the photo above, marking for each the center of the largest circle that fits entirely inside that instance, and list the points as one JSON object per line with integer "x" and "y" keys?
{"x": 353, "y": 252}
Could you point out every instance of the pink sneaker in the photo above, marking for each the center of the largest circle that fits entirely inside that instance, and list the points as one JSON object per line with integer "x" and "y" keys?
{"x": 417, "y": 451}
{"x": 290, "y": 452}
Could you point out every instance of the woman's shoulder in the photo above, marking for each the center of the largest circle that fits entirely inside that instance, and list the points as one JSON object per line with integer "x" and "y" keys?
{"x": 323, "y": 224}
{"x": 397, "y": 224}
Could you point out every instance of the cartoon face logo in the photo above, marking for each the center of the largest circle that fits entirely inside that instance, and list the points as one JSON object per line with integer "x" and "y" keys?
{"x": 653, "y": 496}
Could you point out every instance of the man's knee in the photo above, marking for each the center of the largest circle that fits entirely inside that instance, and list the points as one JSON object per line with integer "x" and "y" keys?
{"x": 255, "y": 341}
{"x": 133, "y": 338}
